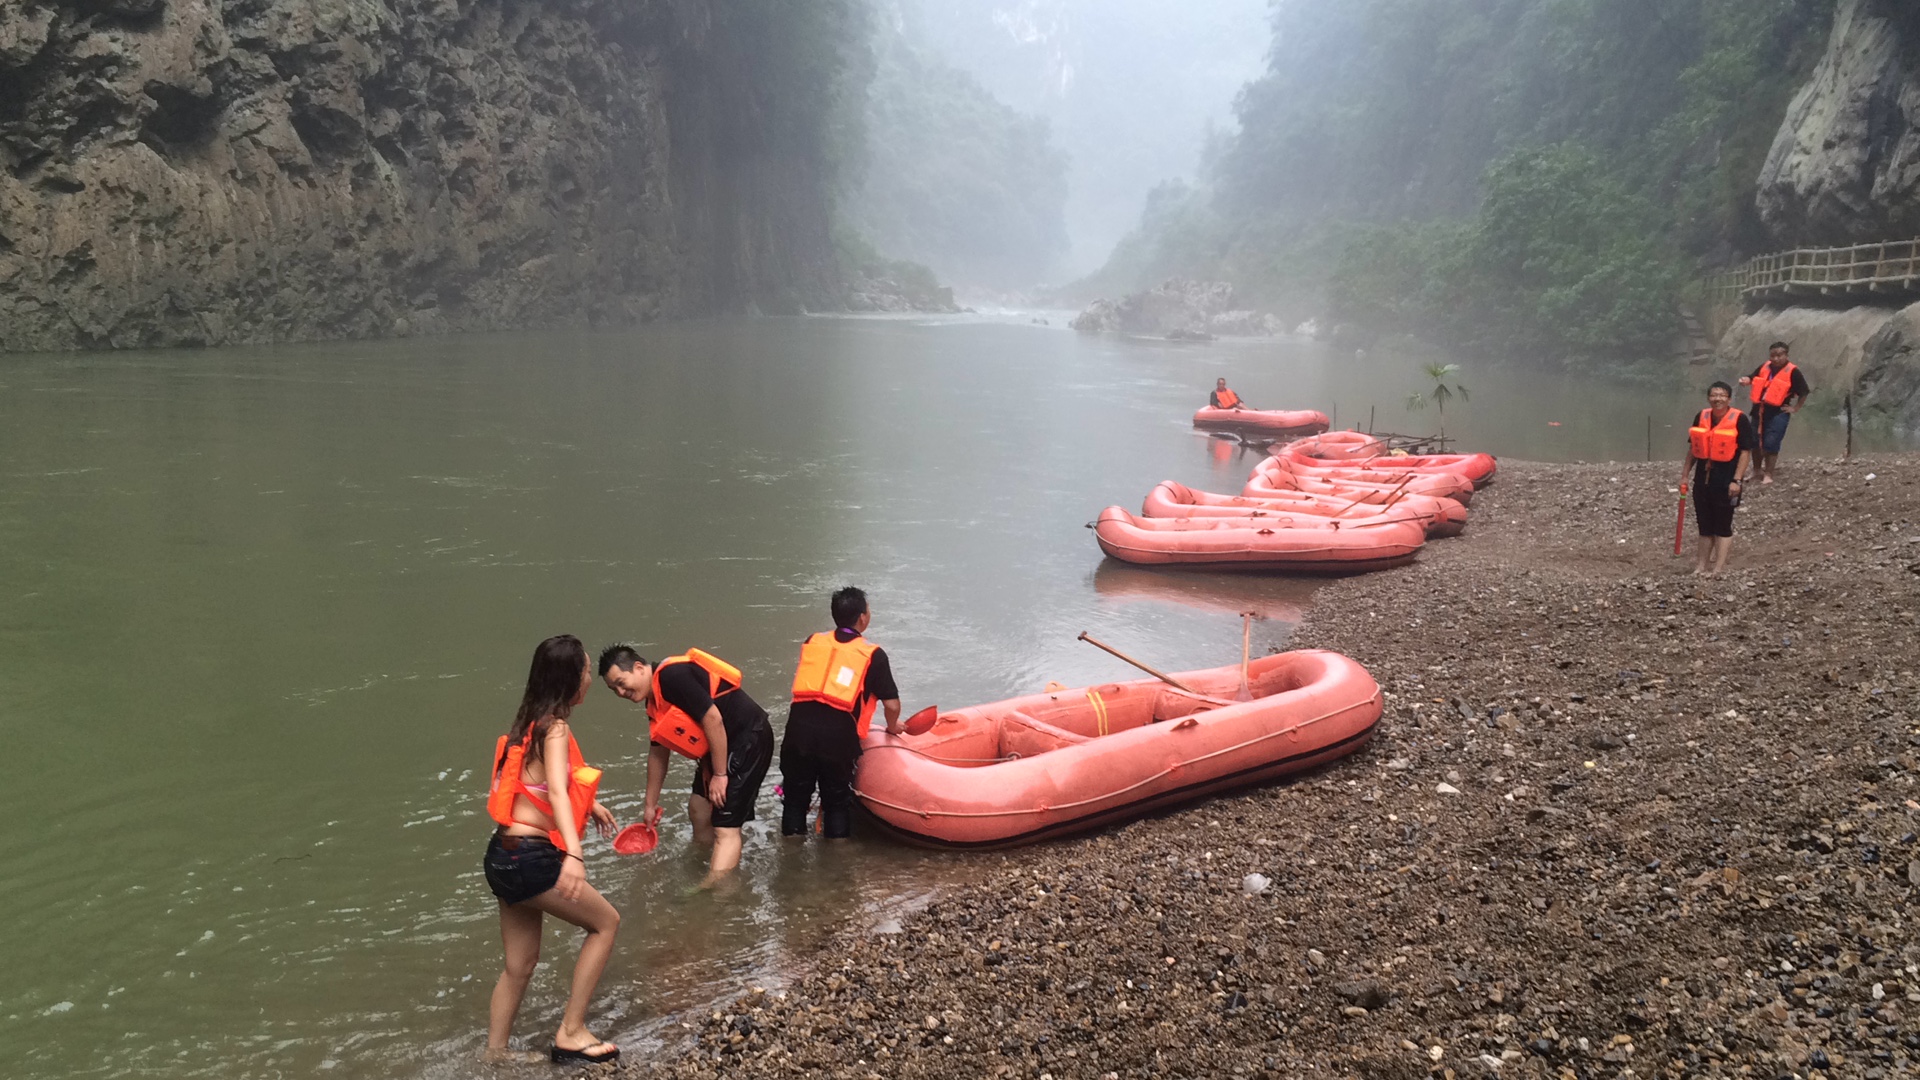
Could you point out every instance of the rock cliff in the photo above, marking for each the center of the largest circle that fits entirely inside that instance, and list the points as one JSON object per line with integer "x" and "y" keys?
{"x": 219, "y": 171}
{"x": 1889, "y": 388}
{"x": 1845, "y": 166}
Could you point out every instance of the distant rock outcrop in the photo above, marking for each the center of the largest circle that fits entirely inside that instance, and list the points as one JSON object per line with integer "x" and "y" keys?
{"x": 1180, "y": 310}
{"x": 203, "y": 172}
{"x": 896, "y": 293}
{"x": 1845, "y": 166}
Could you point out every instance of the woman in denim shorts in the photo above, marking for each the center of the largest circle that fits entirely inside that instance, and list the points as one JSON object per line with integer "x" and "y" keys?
{"x": 534, "y": 863}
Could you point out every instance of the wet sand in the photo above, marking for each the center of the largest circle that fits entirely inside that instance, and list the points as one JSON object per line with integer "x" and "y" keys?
{"x": 1617, "y": 818}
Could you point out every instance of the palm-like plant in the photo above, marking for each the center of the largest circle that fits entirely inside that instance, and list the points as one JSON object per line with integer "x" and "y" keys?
{"x": 1441, "y": 392}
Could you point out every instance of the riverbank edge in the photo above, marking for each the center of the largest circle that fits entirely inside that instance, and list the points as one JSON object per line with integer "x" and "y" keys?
{"x": 1613, "y": 880}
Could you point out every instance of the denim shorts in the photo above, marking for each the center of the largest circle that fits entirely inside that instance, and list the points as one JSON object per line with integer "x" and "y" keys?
{"x": 1775, "y": 432}
{"x": 520, "y": 868}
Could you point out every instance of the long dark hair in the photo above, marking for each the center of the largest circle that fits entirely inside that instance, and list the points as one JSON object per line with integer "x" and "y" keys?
{"x": 552, "y": 682}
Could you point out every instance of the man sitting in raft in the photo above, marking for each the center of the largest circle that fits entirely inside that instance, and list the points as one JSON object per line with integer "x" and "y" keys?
{"x": 841, "y": 678}
{"x": 1223, "y": 398}
{"x": 696, "y": 707}
{"x": 1720, "y": 444}
{"x": 1779, "y": 389}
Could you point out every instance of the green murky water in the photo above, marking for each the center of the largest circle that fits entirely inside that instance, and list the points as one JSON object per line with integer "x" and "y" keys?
{"x": 263, "y": 612}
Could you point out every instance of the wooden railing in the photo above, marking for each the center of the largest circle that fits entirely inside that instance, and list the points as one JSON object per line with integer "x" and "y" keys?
{"x": 1863, "y": 268}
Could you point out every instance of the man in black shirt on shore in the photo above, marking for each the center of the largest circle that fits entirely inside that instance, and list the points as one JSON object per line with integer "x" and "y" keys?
{"x": 1720, "y": 444}
{"x": 841, "y": 679}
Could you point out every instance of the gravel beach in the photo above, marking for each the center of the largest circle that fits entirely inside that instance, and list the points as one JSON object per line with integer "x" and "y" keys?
{"x": 1618, "y": 820}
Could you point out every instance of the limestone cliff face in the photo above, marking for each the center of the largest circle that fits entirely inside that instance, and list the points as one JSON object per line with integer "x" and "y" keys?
{"x": 218, "y": 171}
{"x": 1845, "y": 166}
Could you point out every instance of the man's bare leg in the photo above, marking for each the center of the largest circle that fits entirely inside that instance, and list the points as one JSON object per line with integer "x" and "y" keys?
{"x": 1702, "y": 552}
{"x": 1721, "y": 545}
{"x": 700, "y": 812}
{"x": 1766, "y": 467}
{"x": 726, "y": 856}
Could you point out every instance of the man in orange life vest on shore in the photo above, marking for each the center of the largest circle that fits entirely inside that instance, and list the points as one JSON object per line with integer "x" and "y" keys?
{"x": 697, "y": 708}
{"x": 841, "y": 679}
{"x": 1223, "y": 398}
{"x": 1779, "y": 389}
{"x": 1720, "y": 444}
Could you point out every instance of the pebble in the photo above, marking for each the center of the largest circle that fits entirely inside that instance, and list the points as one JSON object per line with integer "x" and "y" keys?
{"x": 1446, "y": 789}
{"x": 1255, "y": 884}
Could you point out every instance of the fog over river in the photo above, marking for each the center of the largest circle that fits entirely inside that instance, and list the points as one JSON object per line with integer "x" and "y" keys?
{"x": 264, "y": 611}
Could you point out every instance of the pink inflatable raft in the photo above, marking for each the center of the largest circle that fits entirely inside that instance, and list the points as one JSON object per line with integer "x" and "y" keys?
{"x": 1048, "y": 765}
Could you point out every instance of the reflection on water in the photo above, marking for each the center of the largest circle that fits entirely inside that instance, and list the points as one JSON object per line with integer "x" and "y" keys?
{"x": 1269, "y": 598}
{"x": 263, "y": 612}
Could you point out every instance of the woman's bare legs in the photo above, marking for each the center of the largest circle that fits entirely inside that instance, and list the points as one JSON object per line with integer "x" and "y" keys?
{"x": 520, "y": 933}
{"x": 592, "y": 913}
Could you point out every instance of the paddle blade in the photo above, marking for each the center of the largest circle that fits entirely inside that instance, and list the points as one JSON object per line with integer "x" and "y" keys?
{"x": 922, "y": 722}
{"x": 637, "y": 839}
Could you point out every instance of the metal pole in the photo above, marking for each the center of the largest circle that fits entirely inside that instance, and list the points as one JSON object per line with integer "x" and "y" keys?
{"x": 1849, "y": 425}
{"x": 1369, "y": 419}
{"x": 1649, "y": 436}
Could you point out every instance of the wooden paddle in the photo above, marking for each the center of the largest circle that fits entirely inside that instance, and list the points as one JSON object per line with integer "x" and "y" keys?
{"x": 1155, "y": 672}
{"x": 1363, "y": 498}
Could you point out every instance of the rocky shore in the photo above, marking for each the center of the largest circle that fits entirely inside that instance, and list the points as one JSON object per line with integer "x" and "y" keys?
{"x": 1618, "y": 821}
{"x": 1178, "y": 310}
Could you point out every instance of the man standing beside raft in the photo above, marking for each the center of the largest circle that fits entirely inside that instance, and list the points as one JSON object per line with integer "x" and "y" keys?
{"x": 1720, "y": 444}
{"x": 840, "y": 679}
{"x": 697, "y": 708}
{"x": 1778, "y": 392}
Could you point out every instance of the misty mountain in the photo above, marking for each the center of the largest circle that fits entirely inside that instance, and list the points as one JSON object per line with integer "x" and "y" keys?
{"x": 1132, "y": 88}
{"x": 955, "y": 179}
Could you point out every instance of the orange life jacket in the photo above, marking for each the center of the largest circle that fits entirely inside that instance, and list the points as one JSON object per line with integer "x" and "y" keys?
{"x": 834, "y": 672}
{"x": 1715, "y": 442}
{"x": 583, "y": 785}
{"x": 1228, "y": 399}
{"x": 669, "y": 725}
{"x": 1772, "y": 389}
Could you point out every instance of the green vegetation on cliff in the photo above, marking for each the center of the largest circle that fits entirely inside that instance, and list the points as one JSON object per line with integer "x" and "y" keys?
{"x": 1531, "y": 178}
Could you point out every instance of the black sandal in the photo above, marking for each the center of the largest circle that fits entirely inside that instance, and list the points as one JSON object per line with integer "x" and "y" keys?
{"x": 563, "y": 1056}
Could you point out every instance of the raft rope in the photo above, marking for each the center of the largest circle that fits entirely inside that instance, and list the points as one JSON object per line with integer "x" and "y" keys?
{"x": 1161, "y": 775}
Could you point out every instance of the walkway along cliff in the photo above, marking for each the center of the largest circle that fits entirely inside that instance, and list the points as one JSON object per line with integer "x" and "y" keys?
{"x": 184, "y": 172}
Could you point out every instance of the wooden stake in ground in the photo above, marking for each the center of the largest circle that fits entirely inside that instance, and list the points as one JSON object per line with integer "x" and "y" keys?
{"x": 1245, "y": 692}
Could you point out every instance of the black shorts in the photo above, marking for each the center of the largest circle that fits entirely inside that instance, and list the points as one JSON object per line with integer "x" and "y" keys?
{"x": 520, "y": 868}
{"x": 748, "y": 759}
{"x": 1713, "y": 511}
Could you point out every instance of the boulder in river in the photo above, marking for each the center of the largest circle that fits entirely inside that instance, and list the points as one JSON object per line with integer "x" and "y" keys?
{"x": 1178, "y": 309}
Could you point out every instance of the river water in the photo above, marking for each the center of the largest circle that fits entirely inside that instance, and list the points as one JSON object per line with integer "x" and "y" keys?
{"x": 263, "y": 612}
